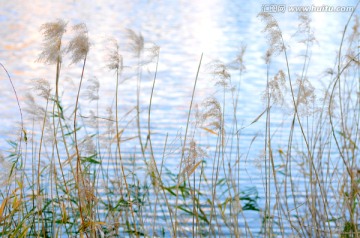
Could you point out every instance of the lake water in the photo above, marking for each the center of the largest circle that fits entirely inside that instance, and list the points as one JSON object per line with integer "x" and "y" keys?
{"x": 183, "y": 30}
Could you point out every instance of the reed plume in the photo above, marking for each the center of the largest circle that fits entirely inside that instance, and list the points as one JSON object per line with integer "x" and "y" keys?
{"x": 42, "y": 88}
{"x": 92, "y": 89}
{"x": 273, "y": 32}
{"x": 79, "y": 45}
{"x": 114, "y": 59}
{"x": 136, "y": 44}
{"x": 305, "y": 96}
{"x": 277, "y": 89}
{"x": 53, "y": 33}
{"x": 220, "y": 73}
{"x": 238, "y": 62}
{"x": 211, "y": 114}
{"x": 193, "y": 156}
{"x": 5, "y": 169}
{"x": 305, "y": 31}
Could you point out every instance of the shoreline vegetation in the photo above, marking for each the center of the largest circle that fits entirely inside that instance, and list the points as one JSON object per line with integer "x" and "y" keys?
{"x": 72, "y": 175}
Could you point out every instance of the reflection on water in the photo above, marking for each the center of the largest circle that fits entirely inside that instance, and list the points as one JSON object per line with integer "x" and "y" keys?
{"x": 183, "y": 30}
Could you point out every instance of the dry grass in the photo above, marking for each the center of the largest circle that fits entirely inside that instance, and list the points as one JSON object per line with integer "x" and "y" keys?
{"x": 71, "y": 175}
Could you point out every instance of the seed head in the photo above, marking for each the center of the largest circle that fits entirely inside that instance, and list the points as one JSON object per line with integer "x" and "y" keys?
{"x": 114, "y": 58}
{"x": 277, "y": 89}
{"x": 92, "y": 89}
{"x": 220, "y": 72}
{"x": 79, "y": 46}
{"x": 211, "y": 116}
{"x": 43, "y": 88}
{"x": 136, "y": 42}
{"x": 53, "y": 33}
{"x": 273, "y": 33}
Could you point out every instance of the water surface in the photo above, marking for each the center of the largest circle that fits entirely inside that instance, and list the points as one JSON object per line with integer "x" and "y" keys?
{"x": 183, "y": 30}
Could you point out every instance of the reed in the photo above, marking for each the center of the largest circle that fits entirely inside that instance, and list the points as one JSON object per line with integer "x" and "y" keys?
{"x": 80, "y": 169}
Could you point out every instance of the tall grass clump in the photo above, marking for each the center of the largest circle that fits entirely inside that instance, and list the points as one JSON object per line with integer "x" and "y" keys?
{"x": 80, "y": 167}
{"x": 316, "y": 126}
